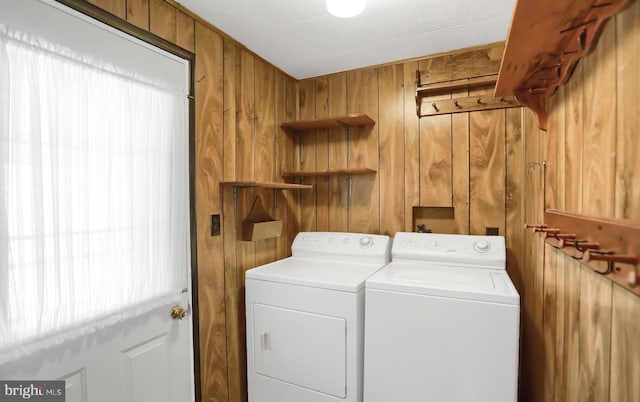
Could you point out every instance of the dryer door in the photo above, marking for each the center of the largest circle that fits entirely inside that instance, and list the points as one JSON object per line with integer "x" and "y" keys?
{"x": 300, "y": 348}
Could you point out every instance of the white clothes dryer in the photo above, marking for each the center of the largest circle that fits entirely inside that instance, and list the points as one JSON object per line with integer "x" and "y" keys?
{"x": 305, "y": 318}
{"x": 442, "y": 322}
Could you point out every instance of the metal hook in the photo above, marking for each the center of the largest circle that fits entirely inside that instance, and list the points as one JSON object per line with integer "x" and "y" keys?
{"x": 455, "y": 102}
{"x": 435, "y": 107}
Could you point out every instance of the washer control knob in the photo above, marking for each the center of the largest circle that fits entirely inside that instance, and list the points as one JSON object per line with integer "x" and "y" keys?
{"x": 366, "y": 242}
{"x": 482, "y": 246}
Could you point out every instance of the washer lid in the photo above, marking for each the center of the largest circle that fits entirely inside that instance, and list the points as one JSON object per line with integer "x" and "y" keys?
{"x": 446, "y": 281}
{"x": 333, "y": 275}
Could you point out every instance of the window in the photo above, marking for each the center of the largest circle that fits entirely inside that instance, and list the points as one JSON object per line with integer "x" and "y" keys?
{"x": 94, "y": 207}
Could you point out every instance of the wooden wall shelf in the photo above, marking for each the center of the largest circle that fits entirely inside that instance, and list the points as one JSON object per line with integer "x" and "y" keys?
{"x": 444, "y": 87}
{"x": 336, "y": 172}
{"x": 264, "y": 184}
{"x": 610, "y": 247}
{"x": 546, "y": 40}
{"x": 351, "y": 120}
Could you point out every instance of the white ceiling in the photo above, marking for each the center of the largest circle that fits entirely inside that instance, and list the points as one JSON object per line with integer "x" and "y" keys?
{"x": 304, "y": 40}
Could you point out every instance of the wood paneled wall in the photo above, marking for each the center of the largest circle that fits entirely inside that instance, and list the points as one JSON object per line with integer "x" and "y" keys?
{"x": 584, "y": 335}
{"x": 578, "y": 332}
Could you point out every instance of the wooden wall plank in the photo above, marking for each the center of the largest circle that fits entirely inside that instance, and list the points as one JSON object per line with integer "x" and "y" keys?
{"x": 514, "y": 194}
{"x": 571, "y": 323}
{"x": 627, "y": 194}
{"x": 436, "y": 157}
{"x": 115, "y": 7}
{"x": 322, "y": 155}
{"x": 599, "y": 143}
{"x": 487, "y": 175}
{"x": 558, "y": 130}
{"x": 362, "y": 97}
{"x": 549, "y": 322}
{"x": 229, "y": 93}
{"x": 265, "y": 134}
{"x": 391, "y": 127}
{"x": 411, "y": 146}
{"x": 573, "y": 141}
{"x": 138, "y": 13}
{"x": 162, "y": 19}
{"x": 245, "y": 170}
{"x": 460, "y": 167}
{"x": 625, "y": 353}
{"x": 532, "y": 302}
{"x": 307, "y": 111}
{"x": 211, "y": 275}
{"x": 185, "y": 26}
{"x": 291, "y": 203}
{"x": 595, "y": 339}
{"x": 560, "y": 377}
{"x": 338, "y": 210}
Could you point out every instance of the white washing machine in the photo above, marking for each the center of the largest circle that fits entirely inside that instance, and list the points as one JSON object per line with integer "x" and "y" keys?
{"x": 442, "y": 322}
{"x": 305, "y": 318}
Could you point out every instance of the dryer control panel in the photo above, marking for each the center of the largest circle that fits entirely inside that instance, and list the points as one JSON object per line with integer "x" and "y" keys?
{"x": 460, "y": 250}
{"x": 354, "y": 247}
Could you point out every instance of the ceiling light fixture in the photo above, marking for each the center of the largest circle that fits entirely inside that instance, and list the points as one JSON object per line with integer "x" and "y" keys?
{"x": 345, "y": 8}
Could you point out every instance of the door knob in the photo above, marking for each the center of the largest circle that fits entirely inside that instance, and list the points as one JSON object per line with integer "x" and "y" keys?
{"x": 178, "y": 313}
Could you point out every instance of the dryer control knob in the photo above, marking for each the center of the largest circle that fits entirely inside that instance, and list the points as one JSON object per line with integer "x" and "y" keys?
{"x": 482, "y": 246}
{"x": 366, "y": 242}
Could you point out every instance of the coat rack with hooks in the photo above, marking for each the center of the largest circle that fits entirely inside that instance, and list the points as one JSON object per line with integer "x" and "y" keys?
{"x": 610, "y": 247}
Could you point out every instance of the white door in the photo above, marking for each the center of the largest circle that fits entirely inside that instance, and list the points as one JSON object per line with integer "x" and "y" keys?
{"x": 147, "y": 357}
{"x": 143, "y": 359}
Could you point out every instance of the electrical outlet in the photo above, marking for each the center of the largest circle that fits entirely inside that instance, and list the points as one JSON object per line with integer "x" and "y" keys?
{"x": 215, "y": 225}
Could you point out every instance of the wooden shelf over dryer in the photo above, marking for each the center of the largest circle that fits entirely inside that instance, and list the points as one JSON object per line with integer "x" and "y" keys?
{"x": 351, "y": 120}
{"x": 263, "y": 184}
{"x": 336, "y": 172}
{"x": 546, "y": 40}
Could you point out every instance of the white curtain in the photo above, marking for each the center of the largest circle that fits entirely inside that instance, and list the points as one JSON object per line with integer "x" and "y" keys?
{"x": 94, "y": 212}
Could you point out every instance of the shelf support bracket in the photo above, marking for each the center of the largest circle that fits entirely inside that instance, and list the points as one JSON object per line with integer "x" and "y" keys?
{"x": 235, "y": 204}
{"x": 275, "y": 200}
{"x": 347, "y": 130}
{"x": 301, "y": 193}
{"x": 349, "y": 188}
{"x": 301, "y": 146}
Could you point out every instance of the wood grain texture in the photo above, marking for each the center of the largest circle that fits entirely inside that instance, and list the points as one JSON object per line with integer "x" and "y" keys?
{"x": 307, "y": 111}
{"x": 532, "y": 302}
{"x": 625, "y": 353}
{"x": 573, "y": 141}
{"x": 265, "y": 134}
{"x": 595, "y": 340}
{"x": 115, "y": 7}
{"x": 322, "y": 155}
{"x": 280, "y": 146}
{"x": 338, "y": 211}
{"x": 460, "y": 166}
{"x": 557, "y": 134}
{"x": 211, "y": 273}
{"x": 599, "y": 142}
{"x": 560, "y": 378}
{"x": 436, "y": 185}
{"x": 138, "y": 13}
{"x": 291, "y": 203}
{"x": 162, "y": 20}
{"x": 627, "y": 194}
{"x": 487, "y": 174}
{"x": 571, "y": 322}
{"x": 412, "y": 147}
{"x": 245, "y": 170}
{"x": 229, "y": 119}
{"x": 185, "y": 26}
{"x": 515, "y": 197}
{"x": 549, "y": 322}
{"x": 362, "y": 97}
{"x": 391, "y": 127}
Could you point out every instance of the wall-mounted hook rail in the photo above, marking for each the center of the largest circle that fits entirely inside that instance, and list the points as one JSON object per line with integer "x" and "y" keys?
{"x": 610, "y": 247}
